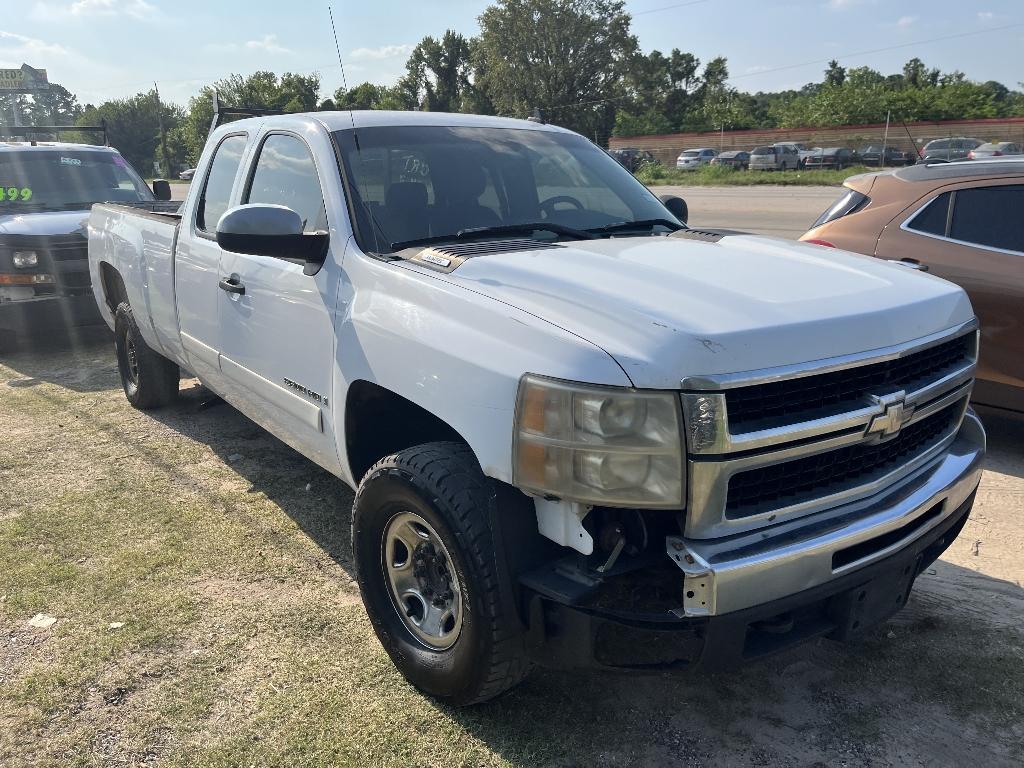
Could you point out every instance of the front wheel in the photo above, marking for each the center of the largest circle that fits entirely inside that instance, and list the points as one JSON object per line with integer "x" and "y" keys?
{"x": 427, "y": 571}
{"x": 149, "y": 379}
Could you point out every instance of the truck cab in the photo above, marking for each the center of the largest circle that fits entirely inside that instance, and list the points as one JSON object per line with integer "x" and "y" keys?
{"x": 46, "y": 191}
{"x": 579, "y": 432}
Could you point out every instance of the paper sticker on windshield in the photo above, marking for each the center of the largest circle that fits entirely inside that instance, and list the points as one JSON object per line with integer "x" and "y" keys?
{"x": 70, "y": 161}
{"x": 15, "y": 194}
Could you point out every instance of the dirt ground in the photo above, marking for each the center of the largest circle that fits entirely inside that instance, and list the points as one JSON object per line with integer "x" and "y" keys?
{"x": 200, "y": 579}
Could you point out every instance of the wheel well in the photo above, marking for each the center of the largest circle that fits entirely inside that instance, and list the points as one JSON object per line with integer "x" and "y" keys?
{"x": 114, "y": 291}
{"x": 379, "y": 422}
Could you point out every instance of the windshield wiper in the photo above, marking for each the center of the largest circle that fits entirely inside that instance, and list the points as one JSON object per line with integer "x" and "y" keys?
{"x": 503, "y": 229}
{"x": 622, "y": 226}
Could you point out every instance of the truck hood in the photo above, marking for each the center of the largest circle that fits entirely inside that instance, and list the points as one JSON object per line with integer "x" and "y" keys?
{"x": 666, "y": 308}
{"x": 45, "y": 223}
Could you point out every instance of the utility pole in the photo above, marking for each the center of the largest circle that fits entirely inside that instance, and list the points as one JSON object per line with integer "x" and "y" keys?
{"x": 163, "y": 133}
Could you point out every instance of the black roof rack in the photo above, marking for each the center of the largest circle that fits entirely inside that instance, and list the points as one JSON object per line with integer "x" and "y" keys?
{"x": 36, "y": 132}
{"x": 220, "y": 112}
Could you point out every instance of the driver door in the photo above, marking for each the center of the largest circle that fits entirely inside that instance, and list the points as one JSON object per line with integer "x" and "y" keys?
{"x": 277, "y": 347}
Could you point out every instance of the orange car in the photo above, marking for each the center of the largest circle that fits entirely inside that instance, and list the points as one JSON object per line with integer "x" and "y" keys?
{"x": 960, "y": 221}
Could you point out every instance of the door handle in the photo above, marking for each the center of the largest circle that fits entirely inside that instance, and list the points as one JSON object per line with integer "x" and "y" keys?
{"x": 231, "y": 285}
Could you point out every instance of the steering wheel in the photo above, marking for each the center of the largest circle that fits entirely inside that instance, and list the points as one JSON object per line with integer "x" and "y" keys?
{"x": 548, "y": 206}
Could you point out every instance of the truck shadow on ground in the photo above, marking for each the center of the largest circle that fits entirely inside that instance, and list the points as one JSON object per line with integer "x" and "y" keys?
{"x": 940, "y": 684}
{"x": 80, "y": 361}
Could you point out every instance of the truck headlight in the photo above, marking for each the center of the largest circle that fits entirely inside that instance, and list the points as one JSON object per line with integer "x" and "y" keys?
{"x": 600, "y": 445}
{"x": 25, "y": 259}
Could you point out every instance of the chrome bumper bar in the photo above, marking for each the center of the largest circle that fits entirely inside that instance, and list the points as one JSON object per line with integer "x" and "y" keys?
{"x": 746, "y": 570}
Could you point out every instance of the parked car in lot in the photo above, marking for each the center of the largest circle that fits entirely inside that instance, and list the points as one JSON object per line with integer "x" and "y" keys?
{"x": 947, "y": 150}
{"x": 737, "y": 159}
{"x": 994, "y": 149}
{"x": 187, "y": 174}
{"x": 802, "y": 150}
{"x": 832, "y": 157}
{"x": 47, "y": 190}
{"x": 631, "y": 159}
{"x": 877, "y": 155}
{"x": 959, "y": 221}
{"x": 580, "y": 432}
{"x": 779, "y": 157}
{"x": 692, "y": 159}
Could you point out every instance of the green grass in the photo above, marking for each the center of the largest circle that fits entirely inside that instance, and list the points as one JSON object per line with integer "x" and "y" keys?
{"x": 244, "y": 642}
{"x": 719, "y": 176}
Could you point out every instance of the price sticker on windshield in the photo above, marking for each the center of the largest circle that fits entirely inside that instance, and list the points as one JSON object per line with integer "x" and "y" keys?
{"x": 15, "y": 194}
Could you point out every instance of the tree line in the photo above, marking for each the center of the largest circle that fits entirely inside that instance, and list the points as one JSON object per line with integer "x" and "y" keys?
{"x": 574, "y": 63}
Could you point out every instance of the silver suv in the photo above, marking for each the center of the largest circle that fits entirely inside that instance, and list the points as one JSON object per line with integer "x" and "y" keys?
{"x": 948, "y": 150}
{"x": 780, "y": 157}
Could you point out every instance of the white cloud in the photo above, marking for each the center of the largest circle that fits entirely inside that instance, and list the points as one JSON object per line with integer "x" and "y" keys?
{"x": 139, "y": 10}
{"x": 16, "y": 50}
{"x": 266, "y": 44}
{"x": 383, "y": 52}
{"x": 906, "y": 21}
{"x": 845, "y": 5}
{"x": 986, "y": 16}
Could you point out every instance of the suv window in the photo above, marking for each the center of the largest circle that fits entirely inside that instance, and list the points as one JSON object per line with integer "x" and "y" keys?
{"x": 990, "y": 216}
{"x": 932, "y": 218}
{"x": 217, "y": 192}
{"x": 286, "y": 175}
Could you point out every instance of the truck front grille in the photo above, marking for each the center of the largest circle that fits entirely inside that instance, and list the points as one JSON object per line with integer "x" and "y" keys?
{"x": 770, "y": 446}
{"x": 825, "y": 474}
{"x": 805, "y": 397}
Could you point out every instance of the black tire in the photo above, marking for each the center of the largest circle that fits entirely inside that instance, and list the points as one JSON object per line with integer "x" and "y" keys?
{"x": 149, "y": 379}
{"x": 441, "y": 483}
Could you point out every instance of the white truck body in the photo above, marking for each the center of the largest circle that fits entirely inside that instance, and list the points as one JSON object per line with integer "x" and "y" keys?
{"x": 695, "y": 314}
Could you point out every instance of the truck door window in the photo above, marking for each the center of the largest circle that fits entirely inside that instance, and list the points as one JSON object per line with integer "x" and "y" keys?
{"x": 989, "y": 216}
{"x": 219, "y": 182}
{"x": 286, "y": 175}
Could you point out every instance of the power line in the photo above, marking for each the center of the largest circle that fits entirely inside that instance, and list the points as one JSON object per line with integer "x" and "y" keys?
{"x": 667, "y": 7}
{"x": 810, "y": 63}
{"x": 879, "y": 50}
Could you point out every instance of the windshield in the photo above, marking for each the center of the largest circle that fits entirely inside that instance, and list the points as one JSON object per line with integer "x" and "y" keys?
{"x": 690, "y": 153}
{"x": 410, "y": 183}
{"x": 62, "y": 180}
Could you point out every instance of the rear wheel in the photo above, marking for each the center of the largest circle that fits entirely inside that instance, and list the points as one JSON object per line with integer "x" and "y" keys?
{"x": 149, "y": 379}
{"x": 427, "y": 570}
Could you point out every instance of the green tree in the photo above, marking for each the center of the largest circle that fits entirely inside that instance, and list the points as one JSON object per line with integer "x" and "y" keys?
{"x": 835, "y": 74}
{"x": 440, "y": 73}
{"x": 566, "y": 57}
{"x": 133, "y": 128}
{"x": 264, "y": 90}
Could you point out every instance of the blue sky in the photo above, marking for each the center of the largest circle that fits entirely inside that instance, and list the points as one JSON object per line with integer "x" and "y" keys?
{"x": 110, "y": 48}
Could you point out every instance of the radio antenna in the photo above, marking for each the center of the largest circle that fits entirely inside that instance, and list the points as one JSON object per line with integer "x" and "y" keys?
{"x": 355, "y": 135}
{"x": 344, "y": 79}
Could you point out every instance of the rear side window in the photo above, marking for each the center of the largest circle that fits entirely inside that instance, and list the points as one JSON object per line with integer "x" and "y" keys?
{"x": 990, "y": 216}
{"x": 932, "y": 218}
{"x": 286, "y": 175}
{"x": 217, "y": 192}
{"x": 849, "y": 202}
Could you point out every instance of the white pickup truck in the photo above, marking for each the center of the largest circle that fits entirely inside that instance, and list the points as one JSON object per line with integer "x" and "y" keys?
{"x": 580, "y": 433}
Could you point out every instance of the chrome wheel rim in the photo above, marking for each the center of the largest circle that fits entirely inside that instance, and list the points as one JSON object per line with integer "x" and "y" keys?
{"x": 422, "y": 581}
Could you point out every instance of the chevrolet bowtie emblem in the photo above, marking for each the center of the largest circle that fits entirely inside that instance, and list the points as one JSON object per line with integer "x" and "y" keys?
{"x": 895, "y": 412}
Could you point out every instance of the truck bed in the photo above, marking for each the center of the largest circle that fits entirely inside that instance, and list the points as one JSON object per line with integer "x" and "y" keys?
{"x": 138, "y": 241}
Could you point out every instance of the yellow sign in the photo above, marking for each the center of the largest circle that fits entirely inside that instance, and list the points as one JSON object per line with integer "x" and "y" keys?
{"x": 24, "y": 79}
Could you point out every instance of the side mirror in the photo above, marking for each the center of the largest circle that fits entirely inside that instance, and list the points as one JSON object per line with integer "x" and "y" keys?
{"x": 161, "y": 189}
{"x": 676, "y": 206}
{"x": 271, "y": 230}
